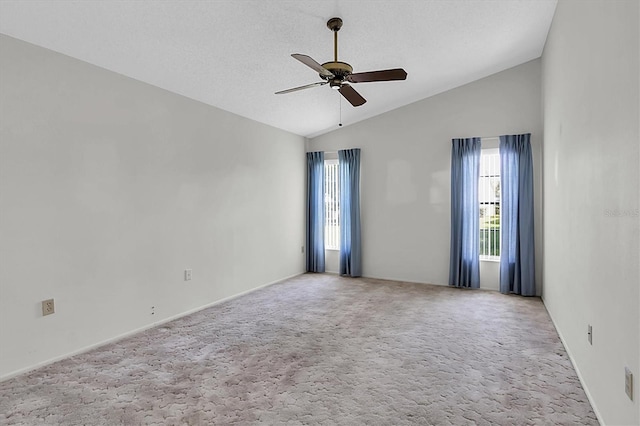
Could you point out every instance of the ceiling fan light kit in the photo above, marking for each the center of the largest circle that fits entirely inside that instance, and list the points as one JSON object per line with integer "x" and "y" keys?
{"x": 339, "y": 74}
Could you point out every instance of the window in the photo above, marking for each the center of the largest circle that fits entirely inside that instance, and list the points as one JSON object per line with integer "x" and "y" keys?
{"x": 489, "y": 199}
{"x": 331, "y": 205}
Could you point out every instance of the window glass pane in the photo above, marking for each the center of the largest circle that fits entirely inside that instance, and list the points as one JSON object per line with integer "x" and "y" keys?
{"x": 489, "y": 199}
{"x": 332, "y": 205}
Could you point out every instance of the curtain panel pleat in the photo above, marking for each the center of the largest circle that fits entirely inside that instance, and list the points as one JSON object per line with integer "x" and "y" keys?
{"x": 315, "y": 211}
{"x": 517, "y": 251}
{"x": 464, "y": 260}
{"x": 350, "y": 246}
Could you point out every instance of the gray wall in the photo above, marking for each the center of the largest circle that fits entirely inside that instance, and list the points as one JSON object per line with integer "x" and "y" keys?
{"x": 406, "y": 171}
{"x": 110, "y": 188}
{"x": 591, "y": 196}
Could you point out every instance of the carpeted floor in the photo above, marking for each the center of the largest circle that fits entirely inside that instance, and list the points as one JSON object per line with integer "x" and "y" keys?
{"x": 321, "y": 349}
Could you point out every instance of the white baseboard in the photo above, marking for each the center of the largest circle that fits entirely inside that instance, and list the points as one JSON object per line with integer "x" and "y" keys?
{"x": 137, "y": 330}
{"x": 575, "y": 366}
{"x": 402, "y": 280}
{"x": 439, "y": 285}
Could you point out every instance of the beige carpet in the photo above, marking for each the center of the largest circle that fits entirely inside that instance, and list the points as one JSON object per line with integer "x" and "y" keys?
{"x": 320, "y": 349}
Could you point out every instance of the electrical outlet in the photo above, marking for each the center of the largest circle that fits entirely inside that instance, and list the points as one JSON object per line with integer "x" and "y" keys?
{"x": 628, "y": 383}
{"x": 590, "y": 334}
{"x": 188, "y": 274}
{"x": 48, "y": 307}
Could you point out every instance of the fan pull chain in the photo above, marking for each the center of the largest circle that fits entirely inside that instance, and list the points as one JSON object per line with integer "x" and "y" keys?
{"x": 340, "y": 107}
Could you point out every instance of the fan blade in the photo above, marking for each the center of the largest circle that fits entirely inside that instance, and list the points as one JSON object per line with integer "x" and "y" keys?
{"x": 308, "y": 86}
{"x": 351, "y": 95}
{"x": 311, "y": 63}
{"x": 384, "y": 75}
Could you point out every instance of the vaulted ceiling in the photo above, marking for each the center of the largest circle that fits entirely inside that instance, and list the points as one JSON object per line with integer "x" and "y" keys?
{"x": 234, "y": 54}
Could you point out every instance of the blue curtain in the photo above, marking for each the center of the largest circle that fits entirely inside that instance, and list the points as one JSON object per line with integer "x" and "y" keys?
{"x": 315, "y": 211}
{"x": 517, "y": 258}
{"x": 350, "y": 247}
{"x": 464, "y": 261}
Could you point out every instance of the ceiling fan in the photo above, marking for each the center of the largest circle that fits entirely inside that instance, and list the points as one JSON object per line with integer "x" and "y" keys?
{"x": 339, "y": 74}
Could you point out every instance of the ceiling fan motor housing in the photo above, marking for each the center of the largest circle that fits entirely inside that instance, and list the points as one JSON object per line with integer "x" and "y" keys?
{"x": 340, "y": 70}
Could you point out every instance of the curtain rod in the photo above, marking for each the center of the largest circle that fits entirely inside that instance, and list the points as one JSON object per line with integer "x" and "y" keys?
{"x": 498, "y": 137}
{"x": 483, "y": 137}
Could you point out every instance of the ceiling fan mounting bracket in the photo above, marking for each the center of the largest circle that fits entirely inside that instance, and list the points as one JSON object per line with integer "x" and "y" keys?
{"x": 334, "y": 24}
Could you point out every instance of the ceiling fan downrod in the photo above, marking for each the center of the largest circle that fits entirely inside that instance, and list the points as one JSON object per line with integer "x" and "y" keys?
{"x": 334, "y": 24}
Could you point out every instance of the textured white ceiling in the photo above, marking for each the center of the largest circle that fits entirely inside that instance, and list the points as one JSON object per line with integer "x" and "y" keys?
{"x": 234, "y": 54}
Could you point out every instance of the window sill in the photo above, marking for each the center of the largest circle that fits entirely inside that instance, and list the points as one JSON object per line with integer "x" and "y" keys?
{"x": 331, "y": 249}
{"x": 496, "y": 260}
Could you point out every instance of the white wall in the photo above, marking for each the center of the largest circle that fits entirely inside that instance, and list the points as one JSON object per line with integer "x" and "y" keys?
{"x": 406, "y": 170}
{"x": 591, "y": 195}
{"x": 332, "y": 261}
{"x": 110, "y": 188}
